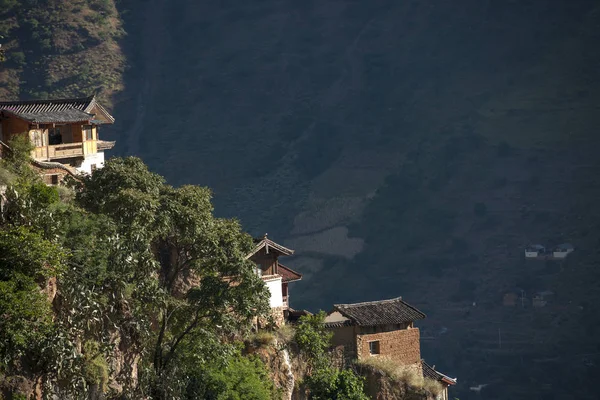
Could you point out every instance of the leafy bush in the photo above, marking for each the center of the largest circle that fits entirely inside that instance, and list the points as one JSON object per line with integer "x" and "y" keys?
{"x": 95, "y": 367}
{"x": 313, "y": 338}
{"x": 6, "y": 177}
{"x": 332, "y": 384}
{"x": 243, "y": 378}
{"x": 26, "y": 318}
{"x": 17, "y": 159}
{"x": 324, "y": 382}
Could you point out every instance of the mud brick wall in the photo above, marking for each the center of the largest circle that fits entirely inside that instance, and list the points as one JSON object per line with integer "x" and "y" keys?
{"x": 401, "y": 345}
{"x": 46, "y": 174}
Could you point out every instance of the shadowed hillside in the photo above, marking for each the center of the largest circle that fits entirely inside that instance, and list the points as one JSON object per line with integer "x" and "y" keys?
{"x": 402, "y": 148}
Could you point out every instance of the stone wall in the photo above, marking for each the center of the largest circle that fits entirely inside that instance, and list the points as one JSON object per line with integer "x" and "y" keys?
{"x": 277, "y": 316}
{"x": 401, "y": 346}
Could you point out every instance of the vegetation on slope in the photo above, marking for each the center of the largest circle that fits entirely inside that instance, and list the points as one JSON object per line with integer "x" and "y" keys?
{"x": 133, "y": 287}
{"x": 324, "y": 381}
{"x": 58, "y": 48}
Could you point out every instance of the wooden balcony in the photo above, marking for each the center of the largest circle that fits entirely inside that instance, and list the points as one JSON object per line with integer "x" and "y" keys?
{"x": 58, "y": 151}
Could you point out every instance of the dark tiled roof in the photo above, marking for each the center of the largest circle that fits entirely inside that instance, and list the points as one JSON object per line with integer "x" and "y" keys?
{"x": 294, "y": 315}
{"x": 431, "y": 373}
{"x": 288, "y": 275}
{"x": 270, "y": 245}
{"x": 42, "y": 111}
{"x": 105, "y": 145}
{"x": 53, "y": 117}
{"x": 382, "y": 312}
{"x": 339, "y": 324}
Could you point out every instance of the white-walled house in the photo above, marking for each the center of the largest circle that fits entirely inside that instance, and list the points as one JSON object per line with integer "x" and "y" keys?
{"x": 563, "y": 250}
{"x": 534, "y": 251}
{"x": 276, "y": 276}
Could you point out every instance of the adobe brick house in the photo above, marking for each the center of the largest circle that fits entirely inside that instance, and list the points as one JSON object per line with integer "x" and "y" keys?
{"x": 276, "y": 276}
{"x": 377, "y": 328}
{"x": 429, "y": 372}
{"x": 62, "y": 131}
{"x": 383, "y": 328}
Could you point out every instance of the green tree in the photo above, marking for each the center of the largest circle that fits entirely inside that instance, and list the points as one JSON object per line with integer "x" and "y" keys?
{"x": 26, "y": 258}
{"x": 205, "y": 283}
{"x": 324, "y": 381}
{"x": 137, "y": 260}
{"x": 26, "y": 320}
{"x": 18, "y": 157}
{"x": 239, "y": 378}
{"x": 313, "y": 339}
{"x": 332, "y": 384}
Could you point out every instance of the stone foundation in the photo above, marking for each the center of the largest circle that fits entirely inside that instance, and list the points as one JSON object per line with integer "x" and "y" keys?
{"x": 277, "y": 317}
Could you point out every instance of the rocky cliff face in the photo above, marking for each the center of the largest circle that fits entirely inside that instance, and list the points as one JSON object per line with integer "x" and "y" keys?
{"x": 288, "y": 369}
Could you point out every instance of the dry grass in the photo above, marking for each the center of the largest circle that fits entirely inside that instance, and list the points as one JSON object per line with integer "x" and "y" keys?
{"x": 263, "y": 339}
{"x": 285, "y": 334}
{"x": 433, "y": 387}
{"x": 409, "y": 374}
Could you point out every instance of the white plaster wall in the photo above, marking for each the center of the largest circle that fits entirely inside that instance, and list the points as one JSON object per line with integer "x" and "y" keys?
{"x": 274, "y": 286}
{"x": 86, "y": 165}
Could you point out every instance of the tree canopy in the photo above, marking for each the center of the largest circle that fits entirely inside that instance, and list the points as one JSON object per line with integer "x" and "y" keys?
{"x": 145, "y": 275}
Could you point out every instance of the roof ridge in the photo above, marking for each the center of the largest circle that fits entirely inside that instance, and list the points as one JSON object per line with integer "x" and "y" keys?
{"x": 364, "y": 303}
{"x": 49, "y": 101}
{"x": 265, "y": 241}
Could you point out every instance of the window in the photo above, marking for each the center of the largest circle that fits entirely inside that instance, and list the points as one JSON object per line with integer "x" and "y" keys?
{"x": 54, "y": 179}
{"x": 374, "y": 347}
{"x": 93, "y": 167}
{"x": 89, "y": 135}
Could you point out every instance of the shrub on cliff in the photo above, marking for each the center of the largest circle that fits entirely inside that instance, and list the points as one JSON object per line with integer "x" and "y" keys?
{"x": 325, "y": 382}
{"x": 332, "y": 384}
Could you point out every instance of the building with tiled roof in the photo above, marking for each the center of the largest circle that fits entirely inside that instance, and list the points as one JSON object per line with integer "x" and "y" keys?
{"x": 430, "y": 372}
{"x": 276, "y": 276}
{"x": 62, "y": 131}
{"x": 382, "y": 312}
{"x": 383, "y": 328}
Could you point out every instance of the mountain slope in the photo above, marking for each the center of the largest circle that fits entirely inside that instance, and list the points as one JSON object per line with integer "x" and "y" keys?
{"x": 402, "y": 149}
{"x": 60, "y": 49}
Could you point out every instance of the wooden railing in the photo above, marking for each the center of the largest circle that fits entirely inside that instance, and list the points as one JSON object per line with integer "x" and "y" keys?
{"x": 65, "y": 150}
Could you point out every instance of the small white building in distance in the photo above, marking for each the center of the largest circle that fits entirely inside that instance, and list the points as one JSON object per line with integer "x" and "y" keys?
{"x": 534, "y": 251}
{"x": 563, "y": 250}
